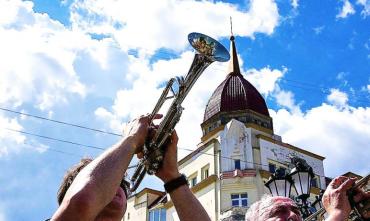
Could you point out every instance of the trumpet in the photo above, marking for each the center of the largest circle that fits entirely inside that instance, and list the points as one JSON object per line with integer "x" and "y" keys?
{"x": 360, "y": 211}
{"x": 208, "y": 50}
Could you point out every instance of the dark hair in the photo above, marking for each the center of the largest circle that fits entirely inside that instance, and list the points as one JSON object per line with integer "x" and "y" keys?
{"x": 69, "y": 177}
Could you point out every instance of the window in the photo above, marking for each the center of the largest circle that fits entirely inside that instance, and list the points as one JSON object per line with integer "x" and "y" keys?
{"x": 193, "y": 181}
{"x": 272, "y": 168}
{"x": 239, "y": 200}
{"x": 315, "y": 182}
{"x": 205, "y": 172}
{"x": 237, "y": 164}
{"x": 157, "y": 215}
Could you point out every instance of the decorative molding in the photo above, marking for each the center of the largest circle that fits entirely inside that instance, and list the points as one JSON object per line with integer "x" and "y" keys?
{"x": 237, "y": 173}
{"x": 196, "y": 151}
{"x": 289, "y": 146}
{"x": 212, "y": 133}
{"x": 147, "y": 190}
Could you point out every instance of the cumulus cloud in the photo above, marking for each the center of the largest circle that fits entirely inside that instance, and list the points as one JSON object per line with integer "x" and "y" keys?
{"x": 9, "y": 140}
{"x": 150, "y": 80}
{"x": 163, "y": 24}
{"x": 38, "y": 55}
{"x": 265, "y": 79}
{"x": 340, "y": 135}
{"x": 337, "y": 98}
{"x": 148, "y": 86}
{"x": 294, "y": 3}
{"x": 346, "y": 10}
{"x": 44, "y": 63}
{"x": 366, "y": 7}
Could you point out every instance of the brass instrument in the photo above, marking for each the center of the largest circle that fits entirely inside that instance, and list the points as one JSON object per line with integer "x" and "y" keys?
{"x": 360, "y": 211}
{"x": 209, "y": 50}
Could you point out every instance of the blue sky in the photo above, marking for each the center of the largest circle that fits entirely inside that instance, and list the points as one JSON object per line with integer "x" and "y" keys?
{"x": 101, "y": 63}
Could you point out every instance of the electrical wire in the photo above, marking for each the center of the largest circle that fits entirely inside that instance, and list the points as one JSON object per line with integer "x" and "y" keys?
{"x": 57, "y": 121}
{"x": 89, "y": 146}
{"x": 54, "y": 139}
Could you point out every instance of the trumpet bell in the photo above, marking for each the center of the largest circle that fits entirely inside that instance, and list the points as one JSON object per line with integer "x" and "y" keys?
{"x": 208, "y": 46}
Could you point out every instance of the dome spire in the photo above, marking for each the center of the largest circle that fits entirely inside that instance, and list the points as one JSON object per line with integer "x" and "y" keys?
{"x": 233, "y": 63}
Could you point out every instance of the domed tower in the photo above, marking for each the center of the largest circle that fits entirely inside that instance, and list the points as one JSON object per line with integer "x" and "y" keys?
{"x": 235, "y": 98}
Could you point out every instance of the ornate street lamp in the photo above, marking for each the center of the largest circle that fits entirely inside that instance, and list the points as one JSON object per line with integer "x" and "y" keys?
{"x": 301, "y": 175}
{"x": 279, "y": 183}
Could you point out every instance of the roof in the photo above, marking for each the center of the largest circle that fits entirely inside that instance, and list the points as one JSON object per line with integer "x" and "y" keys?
{"x": 235, "y": 92}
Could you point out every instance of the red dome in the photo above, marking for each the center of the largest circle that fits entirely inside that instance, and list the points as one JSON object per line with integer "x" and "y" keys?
{"x": 235, "y": 93}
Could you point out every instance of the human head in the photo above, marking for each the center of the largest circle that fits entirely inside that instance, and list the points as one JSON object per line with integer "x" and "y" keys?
{"x": 118, "y": 202}
{"x": 273, "y": 209}
{"x": 69, "y": 177}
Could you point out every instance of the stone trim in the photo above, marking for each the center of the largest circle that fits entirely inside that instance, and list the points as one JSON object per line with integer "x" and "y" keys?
{"x": 289, "y": 146}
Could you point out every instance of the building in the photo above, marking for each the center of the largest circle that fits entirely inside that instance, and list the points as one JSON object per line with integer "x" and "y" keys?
{"x": 237, "y": 153}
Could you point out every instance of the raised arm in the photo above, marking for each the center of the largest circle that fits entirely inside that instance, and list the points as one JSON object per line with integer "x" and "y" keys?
{"x": 97, "y": 184}
{"x": 187, "y": 205}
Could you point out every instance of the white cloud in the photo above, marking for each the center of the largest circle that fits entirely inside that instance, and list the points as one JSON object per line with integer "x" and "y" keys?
{"x": 337, "y": 98}
{"x": 318, "y": 29}
{"x": 366, "y": 10}
{"x": 340, "y": 135}
{"x": 10, "y": 141}
{"x": 165, "y": 23}
{"x": 141, "y": 98}
{"x": 265, "y": 79}
{"x": 113, "y": 122}
{"x": 39, "y": 55}
{"x": 286, "y": 100}
{"x": 294, "y": 3}
{"x": 346, "y": 10}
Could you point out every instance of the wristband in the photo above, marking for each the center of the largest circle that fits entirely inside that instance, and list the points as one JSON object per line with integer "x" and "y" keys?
{"x": 175, "y": 183}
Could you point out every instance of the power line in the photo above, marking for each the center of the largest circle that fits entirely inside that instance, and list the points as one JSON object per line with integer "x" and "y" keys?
{"x": 59, "y": 122}
{"x": 130, "y": 167}
{"x": 55, "y": 139}
{"x": 50, "y": 149}
{"x": 59, "y": 140}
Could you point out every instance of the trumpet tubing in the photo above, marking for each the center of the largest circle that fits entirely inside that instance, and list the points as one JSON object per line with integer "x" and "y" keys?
{"x": 209, "y": 50}
{"x": 363, "y": 182}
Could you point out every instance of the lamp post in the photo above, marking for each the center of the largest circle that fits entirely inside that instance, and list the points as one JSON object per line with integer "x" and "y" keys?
{"x": 302, "y": 175}
{"x": 280, "y": 183}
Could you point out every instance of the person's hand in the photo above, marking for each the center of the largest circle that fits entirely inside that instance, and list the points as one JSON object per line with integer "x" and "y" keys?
{"x": 137, "y": 130}
{"x": 335, "y": 198}
{"x": 361, "y": 199}
{"x": 169, "y": 169}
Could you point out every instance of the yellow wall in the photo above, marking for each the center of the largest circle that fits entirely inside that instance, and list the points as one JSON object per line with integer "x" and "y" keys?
{"x": 136, "y": 209}
{"x": 198, "y": 161}
{"x": 206, "y": 197}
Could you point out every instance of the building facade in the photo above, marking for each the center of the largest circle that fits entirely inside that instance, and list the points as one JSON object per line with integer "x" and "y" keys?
{"x": 237, "y": 154}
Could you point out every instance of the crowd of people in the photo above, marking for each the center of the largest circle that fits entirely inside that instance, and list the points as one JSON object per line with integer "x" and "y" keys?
{"x": 95, "y": 188}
